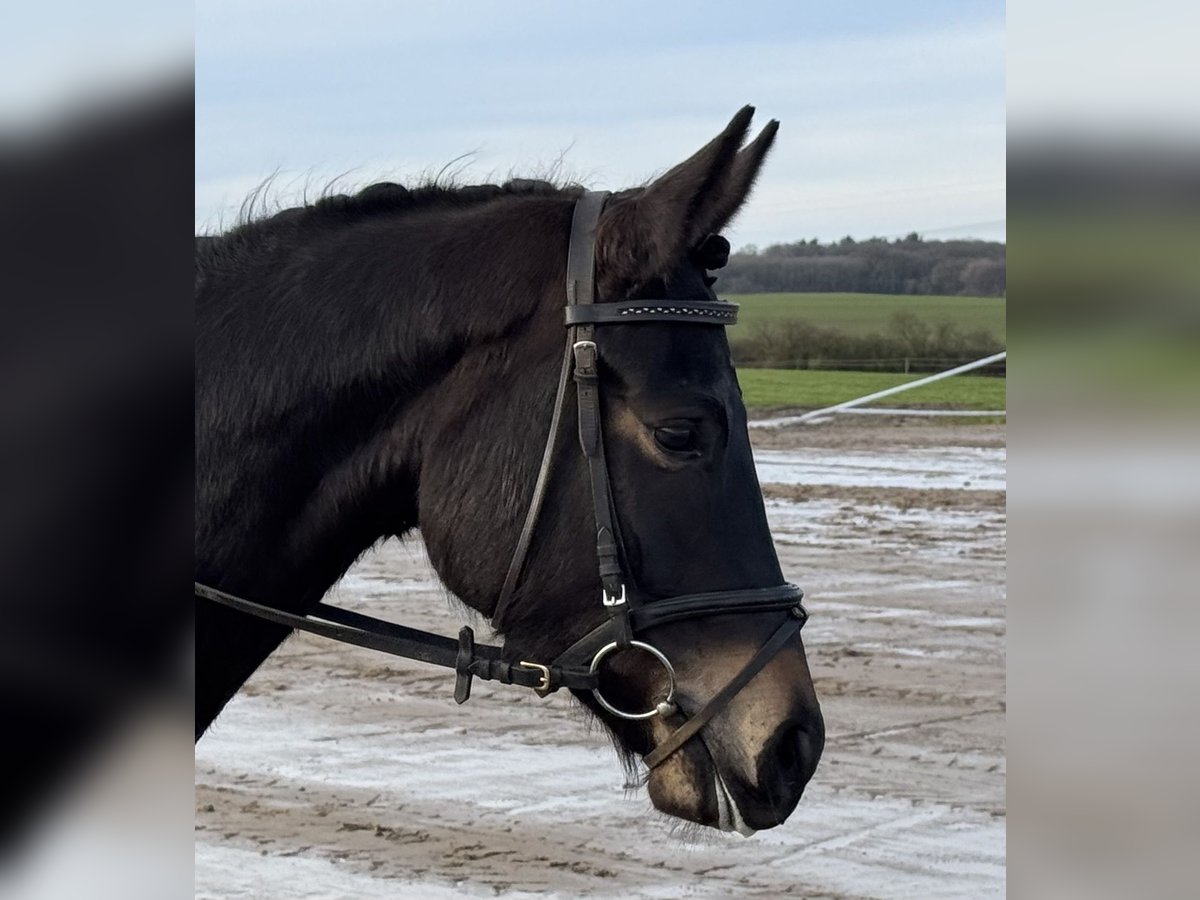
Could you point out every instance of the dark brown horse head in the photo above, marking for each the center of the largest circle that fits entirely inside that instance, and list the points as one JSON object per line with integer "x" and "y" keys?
{"x": 378, "y": 363}
{"x": 686, "y": 497}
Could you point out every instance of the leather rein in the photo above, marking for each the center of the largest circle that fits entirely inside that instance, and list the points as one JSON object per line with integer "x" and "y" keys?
{"x": 630, "y": 612}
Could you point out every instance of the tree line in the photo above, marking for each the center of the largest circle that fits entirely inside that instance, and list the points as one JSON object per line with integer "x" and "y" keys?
{"x": 909, "y": 265}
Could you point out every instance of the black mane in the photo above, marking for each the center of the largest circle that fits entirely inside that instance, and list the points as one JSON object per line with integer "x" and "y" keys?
{"x": 384, "y": 198}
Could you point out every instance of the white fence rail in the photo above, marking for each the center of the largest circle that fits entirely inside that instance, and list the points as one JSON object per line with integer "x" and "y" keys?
{"x": 821, "y": 415}
{"x": 956, "y": 413}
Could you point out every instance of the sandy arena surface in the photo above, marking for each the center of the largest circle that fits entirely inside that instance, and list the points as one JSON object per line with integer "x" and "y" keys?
{"x": 339, "y": 772}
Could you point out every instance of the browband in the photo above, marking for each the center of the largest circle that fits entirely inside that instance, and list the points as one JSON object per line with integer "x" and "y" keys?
{"x": 702, "y": 312}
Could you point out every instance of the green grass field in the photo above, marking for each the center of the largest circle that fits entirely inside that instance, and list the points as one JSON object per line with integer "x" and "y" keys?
{"x": 862, "y": 314}
{"x": 866, "y": 313}
{"x": 814, "y": 389}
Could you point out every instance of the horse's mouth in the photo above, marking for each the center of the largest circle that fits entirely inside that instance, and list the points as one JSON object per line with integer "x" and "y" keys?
{"x": 691, "y": 786}
{"x": 729, "y": 817}
{"x": 726, "y": 787}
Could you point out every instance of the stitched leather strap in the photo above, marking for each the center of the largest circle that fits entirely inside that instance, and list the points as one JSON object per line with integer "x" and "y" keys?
{"x": 702, "y": 312}
{"x": 692, "y": 726}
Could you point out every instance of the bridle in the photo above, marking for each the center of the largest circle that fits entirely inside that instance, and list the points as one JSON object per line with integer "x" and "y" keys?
{"x": 631, "y": 613}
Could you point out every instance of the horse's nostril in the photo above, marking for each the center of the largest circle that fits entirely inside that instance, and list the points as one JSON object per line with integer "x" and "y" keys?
{"x": 793, "y": 756}
{"x": 788, "y": 753}
{"x": 785, "y": 766}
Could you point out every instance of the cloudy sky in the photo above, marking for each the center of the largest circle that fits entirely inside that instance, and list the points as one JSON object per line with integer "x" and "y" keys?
{"x": 892, "y": 114}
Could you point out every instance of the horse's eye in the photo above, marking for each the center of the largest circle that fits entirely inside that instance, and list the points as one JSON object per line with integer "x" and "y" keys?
{"x": 675, "y": 438}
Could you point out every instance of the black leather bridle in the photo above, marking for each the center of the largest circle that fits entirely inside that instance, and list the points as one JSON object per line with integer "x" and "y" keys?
{"x": 630, "y": 612}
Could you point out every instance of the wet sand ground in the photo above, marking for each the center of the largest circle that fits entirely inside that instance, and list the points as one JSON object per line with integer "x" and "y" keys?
{"x": 338, "y": 772}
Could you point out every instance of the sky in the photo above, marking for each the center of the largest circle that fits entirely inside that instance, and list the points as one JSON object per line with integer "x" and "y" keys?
{"x": 892, "y": 115}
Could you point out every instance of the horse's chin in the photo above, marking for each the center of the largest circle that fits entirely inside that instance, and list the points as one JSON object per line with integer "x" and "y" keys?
{"x": 689, "y": 785}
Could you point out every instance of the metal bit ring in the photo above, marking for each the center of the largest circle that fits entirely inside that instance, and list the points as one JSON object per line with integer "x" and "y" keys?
{"x": 663, "y": 707}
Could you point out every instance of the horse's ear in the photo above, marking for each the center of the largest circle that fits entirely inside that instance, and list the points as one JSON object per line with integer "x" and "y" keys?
{"x": 741, "y": 179}
{"x": 646, "y": 233}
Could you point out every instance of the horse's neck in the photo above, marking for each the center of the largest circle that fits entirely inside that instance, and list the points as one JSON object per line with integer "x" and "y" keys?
{"x": 309, "y": 430}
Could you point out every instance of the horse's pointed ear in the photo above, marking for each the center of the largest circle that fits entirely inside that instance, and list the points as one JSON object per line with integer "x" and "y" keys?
{"x": 741, "y": 179}
{"x": 644, "y": 234}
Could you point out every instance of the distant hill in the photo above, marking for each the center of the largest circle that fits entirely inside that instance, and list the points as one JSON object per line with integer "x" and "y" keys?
{"x": 907, "y": 265}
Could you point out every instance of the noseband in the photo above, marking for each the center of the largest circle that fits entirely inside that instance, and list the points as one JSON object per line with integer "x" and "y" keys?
{"x": 630, "y": 613}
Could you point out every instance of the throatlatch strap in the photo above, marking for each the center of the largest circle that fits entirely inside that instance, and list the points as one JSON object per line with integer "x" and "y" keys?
{"x": 539, "y": 492}
{"x": 692, "y": 726}
{"x": 580, "y": 283}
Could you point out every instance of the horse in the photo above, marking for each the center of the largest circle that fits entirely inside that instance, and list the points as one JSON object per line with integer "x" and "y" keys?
{"x": 373, "y": 364}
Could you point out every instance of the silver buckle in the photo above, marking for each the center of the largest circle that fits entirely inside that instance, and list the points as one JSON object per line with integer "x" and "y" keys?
{"x": 609, "y": 600}
{"x": 585, "y": 354}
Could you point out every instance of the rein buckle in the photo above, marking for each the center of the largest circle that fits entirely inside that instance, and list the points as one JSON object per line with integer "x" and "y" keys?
{"x": 542, "y": 688}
